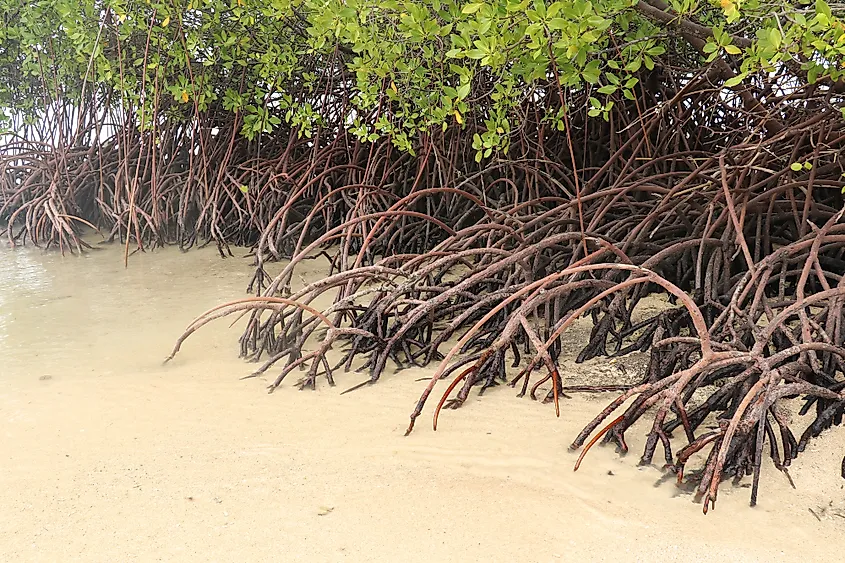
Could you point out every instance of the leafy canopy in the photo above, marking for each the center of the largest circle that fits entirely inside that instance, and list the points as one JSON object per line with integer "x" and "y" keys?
{"x": 392, "y": 68}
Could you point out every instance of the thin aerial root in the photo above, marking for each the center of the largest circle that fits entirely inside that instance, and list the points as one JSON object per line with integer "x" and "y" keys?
{"x": 595, "y": 439}
{"x": 448, "y": 392}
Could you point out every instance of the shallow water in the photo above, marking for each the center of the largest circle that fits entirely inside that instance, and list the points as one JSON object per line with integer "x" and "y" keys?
{"x": 107, "y": 455}
{"x": 92, "y": 309}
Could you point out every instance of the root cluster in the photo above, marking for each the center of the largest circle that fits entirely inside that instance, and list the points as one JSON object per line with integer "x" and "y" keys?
{"x": 482, "y": 267}
{"x": 749, "y": 249}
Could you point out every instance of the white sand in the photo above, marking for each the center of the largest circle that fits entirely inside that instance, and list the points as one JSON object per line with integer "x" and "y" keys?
{"x": 109, "y": 456}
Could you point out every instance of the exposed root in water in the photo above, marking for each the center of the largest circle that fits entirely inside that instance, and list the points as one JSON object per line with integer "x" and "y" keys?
{"x": 728, "y": 206}
{"x": 752, "y": 258}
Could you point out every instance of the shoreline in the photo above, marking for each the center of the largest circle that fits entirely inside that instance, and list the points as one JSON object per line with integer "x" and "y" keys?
{"x": 116, "y": 457}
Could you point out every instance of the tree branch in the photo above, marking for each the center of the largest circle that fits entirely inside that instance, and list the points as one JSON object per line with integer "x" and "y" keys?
{"x": 660, "y": 11}
{"x": 697, "y": 35}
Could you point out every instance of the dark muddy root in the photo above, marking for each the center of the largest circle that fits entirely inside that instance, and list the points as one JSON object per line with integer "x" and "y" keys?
{"x": 734, "y": 215}
{"x": 748, "y": 339}
{"x": 751, "y": 256}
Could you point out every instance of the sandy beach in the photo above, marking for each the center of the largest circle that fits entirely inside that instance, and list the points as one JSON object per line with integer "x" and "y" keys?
{"x": 108, "y": 455}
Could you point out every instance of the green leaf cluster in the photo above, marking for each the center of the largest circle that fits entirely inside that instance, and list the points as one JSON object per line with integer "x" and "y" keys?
{"x": 388, "y": 68}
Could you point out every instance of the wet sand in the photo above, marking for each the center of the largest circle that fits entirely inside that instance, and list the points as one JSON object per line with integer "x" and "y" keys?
{"x": 109, "y": 456}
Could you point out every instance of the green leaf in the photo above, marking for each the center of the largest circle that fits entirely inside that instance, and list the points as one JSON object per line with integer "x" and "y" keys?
{"x": 472, "y": 8}
{"x": 463, "y": 90}
{"x": 775, "y": 37}
{"x": 609, "y": 89}
{"x": 733, "y": 50}
{"x": 592, "y": 71}
{"x": 634, "y": 65}
{"x": 796, "y": 166}
{"x": 731, "y": 82}
{"x": 557, "y": 24}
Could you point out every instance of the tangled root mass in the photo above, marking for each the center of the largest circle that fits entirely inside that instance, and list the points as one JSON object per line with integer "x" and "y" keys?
{"x": 481, "y": 268}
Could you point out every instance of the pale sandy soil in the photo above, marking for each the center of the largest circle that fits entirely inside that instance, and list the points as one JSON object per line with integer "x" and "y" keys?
{"x": 106, "y": 455}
